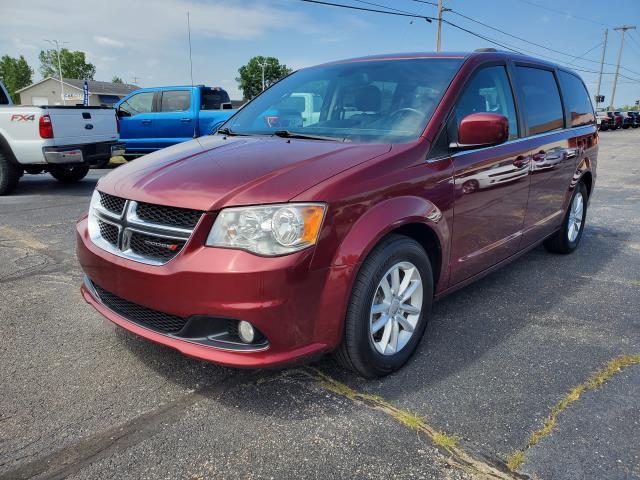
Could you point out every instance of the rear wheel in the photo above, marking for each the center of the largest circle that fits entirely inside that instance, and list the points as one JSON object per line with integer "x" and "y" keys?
{"x": 10, "y": 174}
{"x": 566, "y": 240}
{"x": 387, "y": 312}
{"x": 68, "y": 173}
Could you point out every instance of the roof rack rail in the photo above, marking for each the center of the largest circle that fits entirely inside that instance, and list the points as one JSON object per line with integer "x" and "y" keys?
{"x": 489, "y": 49}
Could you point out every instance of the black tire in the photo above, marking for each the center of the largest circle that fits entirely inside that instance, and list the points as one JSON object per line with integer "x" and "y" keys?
{"x": 10, "y": 174}
{"x": 357, "y": 351}
{"x": 69, "y": 173}
{"x": 560, "y": 242}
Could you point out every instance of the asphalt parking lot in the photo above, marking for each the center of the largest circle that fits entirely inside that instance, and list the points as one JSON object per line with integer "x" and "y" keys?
{"x": 536, "y": 367}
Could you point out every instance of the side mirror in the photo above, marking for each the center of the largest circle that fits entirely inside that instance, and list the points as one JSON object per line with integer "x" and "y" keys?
{"x": 481, "y": 130}
{"x": 226, "y": 106}
{"x": 121, "y": 113}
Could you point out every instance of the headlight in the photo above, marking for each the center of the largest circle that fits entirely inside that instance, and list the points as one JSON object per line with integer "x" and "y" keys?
{"x": 94, "y": 229}
{"x": 268, "y": 230}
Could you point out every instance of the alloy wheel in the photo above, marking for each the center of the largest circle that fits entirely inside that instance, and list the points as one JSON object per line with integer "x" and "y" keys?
{"x": 396, "y": 307}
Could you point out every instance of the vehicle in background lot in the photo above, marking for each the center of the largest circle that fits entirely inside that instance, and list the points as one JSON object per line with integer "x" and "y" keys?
{"x": 629, "y": 120}
{"x": 616, "y": 120}
{"x": 262, "y": 245}
{"x": 155, "y": 118}
{"x": 5, "y": 99}
{"x": 64, "y": 141}
{"x": 604, "y": 121}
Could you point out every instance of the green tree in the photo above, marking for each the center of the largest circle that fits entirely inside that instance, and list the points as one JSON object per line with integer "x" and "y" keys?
{"x": 15, "y": 73}
{"x": 74, "y": 64}
{"x": 250, "y": 79}
{"x": 117, "y": 79}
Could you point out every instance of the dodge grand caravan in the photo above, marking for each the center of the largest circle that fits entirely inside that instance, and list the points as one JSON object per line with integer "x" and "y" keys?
{"x": 284, "y": 236}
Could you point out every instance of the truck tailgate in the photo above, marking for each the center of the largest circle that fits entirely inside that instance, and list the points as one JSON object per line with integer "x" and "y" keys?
{"x": 78, "y": 125}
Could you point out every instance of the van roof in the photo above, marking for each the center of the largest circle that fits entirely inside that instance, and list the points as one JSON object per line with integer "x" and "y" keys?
{"x": 482, "y": 53}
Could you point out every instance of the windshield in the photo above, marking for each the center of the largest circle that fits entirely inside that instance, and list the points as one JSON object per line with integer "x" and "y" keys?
{"x": 368, "y": 101}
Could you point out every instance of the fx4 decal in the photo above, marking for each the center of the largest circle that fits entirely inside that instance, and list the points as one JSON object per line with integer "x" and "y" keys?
{"x": 23, "y": 118}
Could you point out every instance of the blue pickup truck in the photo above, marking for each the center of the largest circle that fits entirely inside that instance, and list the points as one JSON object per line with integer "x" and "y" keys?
{"x": 155, "y": 118}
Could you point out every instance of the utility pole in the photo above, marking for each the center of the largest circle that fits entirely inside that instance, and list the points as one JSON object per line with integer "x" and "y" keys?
{"x": 441, "y": 10}
{"x": 604, "y": 50}
{"x": 57, "y": 45}
{"x": 439, "y": 31}
{"x": 622, "y": 29}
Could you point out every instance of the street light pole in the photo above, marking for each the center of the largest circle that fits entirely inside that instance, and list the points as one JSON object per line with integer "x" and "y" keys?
{"x": 57, "y": 45}
{"x": 622, "y": 29}
{"x": 604, "y": 49}
{"x": 263, "y": 66}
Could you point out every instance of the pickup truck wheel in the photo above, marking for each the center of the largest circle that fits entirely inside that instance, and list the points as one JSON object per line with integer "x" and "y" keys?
{"x": 566, "y": 239}
{"x": 387, "y": 312}
{"x": 10, "y": 174}
{"x": 68, "y": 173}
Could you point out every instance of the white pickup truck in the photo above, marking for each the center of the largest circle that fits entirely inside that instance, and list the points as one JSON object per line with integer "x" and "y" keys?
{"x": 64, "y": 141}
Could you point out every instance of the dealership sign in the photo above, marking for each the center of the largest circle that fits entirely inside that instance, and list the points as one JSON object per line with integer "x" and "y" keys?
{"x": 73, "y": 96}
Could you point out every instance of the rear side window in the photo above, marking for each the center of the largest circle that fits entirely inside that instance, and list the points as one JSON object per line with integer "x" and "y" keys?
{"x": 175, "y": 101}
{"x": 489, "y": 91}
{"x": 576, "y": 99}
{"x": 542, "y": 104}
{"x": 213, "y": 99}
{"x": 138, "y": 103}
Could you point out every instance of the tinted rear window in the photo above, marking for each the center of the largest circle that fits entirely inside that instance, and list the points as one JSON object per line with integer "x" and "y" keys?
{"x": 3, "y": 98}
{"x": 175, "y": 101}
{"x": 213, "y": 99}
{"x": 576, "y": 99}
{"x": 542, "y": 105}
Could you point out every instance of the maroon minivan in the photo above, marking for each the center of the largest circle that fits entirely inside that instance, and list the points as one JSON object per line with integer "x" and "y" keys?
{"x": 329, "y": 212}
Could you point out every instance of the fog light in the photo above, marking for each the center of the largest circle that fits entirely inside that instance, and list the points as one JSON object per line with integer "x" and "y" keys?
{"x": 246, "y": 332}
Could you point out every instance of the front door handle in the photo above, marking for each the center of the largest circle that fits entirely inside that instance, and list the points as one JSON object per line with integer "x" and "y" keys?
{"x": 185, "y": 120}
{"x": 520, "y": 161}
{"x": 146, "y": 122}
{"x": 541, "y": 155}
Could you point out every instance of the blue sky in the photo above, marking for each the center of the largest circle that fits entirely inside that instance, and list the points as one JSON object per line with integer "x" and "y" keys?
{"x": 147, "y": 40}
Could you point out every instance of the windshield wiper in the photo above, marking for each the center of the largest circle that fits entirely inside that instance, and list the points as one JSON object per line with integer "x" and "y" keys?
{"x": 230, "y": 133}
{"x": 290, "y": 134}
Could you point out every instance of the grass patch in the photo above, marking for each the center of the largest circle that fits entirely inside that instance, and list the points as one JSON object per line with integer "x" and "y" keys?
{"x": 595, "y": 381}
{"x": 515, "y": 460}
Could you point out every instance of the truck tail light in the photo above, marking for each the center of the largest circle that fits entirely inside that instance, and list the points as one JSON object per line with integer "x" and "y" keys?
{"x": 46, "y": 127}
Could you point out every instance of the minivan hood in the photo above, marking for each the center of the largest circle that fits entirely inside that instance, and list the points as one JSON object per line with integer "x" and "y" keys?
{"x": 213, "y": 172}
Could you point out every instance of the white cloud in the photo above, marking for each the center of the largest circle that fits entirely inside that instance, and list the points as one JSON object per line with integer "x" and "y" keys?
{"x": 107, "y": 42}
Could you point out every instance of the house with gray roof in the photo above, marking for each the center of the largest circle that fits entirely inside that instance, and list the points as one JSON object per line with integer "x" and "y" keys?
{"x": 49, "y": 91}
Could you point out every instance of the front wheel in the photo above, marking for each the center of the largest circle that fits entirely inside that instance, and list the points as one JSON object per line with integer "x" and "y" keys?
{"x": 566, "y": 239}
{"x": 387, "y": 312}
{"x": 69, "y": 173}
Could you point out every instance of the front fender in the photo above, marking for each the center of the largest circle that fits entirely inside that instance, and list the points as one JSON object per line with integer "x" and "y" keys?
{"x": 387, "y": 216}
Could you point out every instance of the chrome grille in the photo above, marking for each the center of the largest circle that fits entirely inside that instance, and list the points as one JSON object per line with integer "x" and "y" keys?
{"x": 177, "y": 217}
{"x": 112, "y": 203}
{"x": 143, "y": 232}
{"x": 109, "y": 232}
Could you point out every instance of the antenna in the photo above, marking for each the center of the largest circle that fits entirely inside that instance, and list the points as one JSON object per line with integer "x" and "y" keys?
{"x": 190, "y": 58}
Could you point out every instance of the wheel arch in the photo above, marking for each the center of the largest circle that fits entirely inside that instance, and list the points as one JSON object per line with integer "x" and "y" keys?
{"x": 414, "y": 217}
{"x": 6, "y": 150}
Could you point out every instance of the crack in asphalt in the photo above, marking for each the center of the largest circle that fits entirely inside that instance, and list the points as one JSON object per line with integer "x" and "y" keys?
{"x": 447, "y": 444}
{"x": 595, "y": 381}
{"x": 73, "y": 458}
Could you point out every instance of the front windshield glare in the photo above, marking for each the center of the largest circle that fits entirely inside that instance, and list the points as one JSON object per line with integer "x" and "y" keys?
{"x": 367, "y": 101}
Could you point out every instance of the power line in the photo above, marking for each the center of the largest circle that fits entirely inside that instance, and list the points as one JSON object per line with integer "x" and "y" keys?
{"x": 383, "y": 6}
{"x": 534, "y": 43}
{"x": 585, "y": 53}
{"x": 504, "y": 45}
{"x": 569, "y": 14}
{"x": 353, "y": 7}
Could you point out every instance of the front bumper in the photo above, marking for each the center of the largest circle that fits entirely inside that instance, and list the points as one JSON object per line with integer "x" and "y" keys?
{"x": 298, "y": 310}
{"x": 89, "y": 153}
